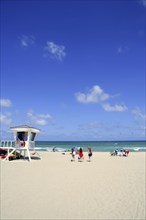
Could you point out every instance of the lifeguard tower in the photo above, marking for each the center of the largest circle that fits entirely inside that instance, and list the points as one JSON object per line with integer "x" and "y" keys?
{"x": 24, "y": 141}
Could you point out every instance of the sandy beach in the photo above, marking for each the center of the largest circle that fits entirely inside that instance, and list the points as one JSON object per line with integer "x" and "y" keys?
{"x": 106, "y": 188}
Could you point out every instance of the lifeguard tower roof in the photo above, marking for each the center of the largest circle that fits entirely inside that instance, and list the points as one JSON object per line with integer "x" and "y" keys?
{"x": 25, "y": 128}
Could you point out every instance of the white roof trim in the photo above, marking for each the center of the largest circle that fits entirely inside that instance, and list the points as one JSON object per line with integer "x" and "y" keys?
{"x": 24, "y": 128}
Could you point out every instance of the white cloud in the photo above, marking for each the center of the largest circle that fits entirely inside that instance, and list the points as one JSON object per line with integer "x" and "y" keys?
{"x": 47, "y": 116}
{"x": 55, "y": 51}
{"x": 122, "y": 49}
{"x": 115, "y": 108}
{"x": 5, "y": 118}
{"x": 95, "y": 95}
{"x": 5, "y": 103}
{"x": 27, "y": 41}
{"x": 40, "y": 119}
{"x": 138, "y": 114}
{"x": 143, "y": 2}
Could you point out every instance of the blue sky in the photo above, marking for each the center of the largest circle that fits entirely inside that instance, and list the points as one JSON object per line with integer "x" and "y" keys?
{"x": 74, "y": 69}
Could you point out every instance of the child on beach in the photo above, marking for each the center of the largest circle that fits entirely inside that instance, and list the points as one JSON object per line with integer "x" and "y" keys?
{"x": 80, "y": 153}
{"x": 89, "y": 153}
{"x": 73, "y": 153}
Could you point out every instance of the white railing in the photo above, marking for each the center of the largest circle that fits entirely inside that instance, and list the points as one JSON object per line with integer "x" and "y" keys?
{"x": 10, "y": 143}
{"x": 12, "y": 146}
{"x": 7, "y": 143}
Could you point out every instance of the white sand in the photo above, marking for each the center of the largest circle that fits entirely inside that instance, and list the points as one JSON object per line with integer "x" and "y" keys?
{"x": 56, "y": 188}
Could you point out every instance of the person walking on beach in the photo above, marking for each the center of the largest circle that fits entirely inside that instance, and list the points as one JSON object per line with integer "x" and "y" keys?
{"x": 89, "y": 153}
{"x": 81, "y": 156}
{"x": 73, "y": 153}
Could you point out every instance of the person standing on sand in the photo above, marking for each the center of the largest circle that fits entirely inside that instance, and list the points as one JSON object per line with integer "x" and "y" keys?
{"x": 89, "y": 153}
{"x": 73, "y": 153}
{"x": 81, "y": 156}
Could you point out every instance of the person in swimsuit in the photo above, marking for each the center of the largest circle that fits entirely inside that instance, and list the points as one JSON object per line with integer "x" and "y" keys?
{"x": 80, "y": 153}
{"x": 89, "y": 153}
{"x": 73, "y": 153}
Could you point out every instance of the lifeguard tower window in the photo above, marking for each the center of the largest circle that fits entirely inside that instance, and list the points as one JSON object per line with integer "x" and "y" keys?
{"x": 22, "y": 136}
{"x": 32, "y": 136}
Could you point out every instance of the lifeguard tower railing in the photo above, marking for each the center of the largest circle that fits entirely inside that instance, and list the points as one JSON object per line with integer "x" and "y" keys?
{"x": 13, "y": 147}
{"x": 7, "y": 143}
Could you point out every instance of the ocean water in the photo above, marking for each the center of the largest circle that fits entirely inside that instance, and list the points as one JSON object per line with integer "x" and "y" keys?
{"x": 97, "y": 146}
